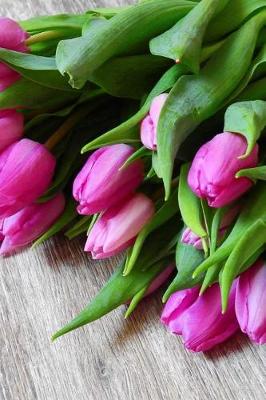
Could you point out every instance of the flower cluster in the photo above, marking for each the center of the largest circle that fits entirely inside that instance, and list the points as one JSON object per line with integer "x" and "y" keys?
{"x": 26, "y": 166}
{"x": 105, "y": 138}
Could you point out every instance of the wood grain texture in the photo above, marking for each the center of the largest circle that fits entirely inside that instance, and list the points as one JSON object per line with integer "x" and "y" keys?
{"x": 111, "y": 359}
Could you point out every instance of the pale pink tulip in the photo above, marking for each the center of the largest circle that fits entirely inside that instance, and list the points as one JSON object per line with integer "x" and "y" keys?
{"x": 213, "y": 170}
{"x": 117, "y": 228}
{"x": 251, "y": 301}
{"x": 148, "y": 129}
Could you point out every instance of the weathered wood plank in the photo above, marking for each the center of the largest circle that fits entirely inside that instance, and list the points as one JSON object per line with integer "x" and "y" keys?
{"x": 111, "y": 359}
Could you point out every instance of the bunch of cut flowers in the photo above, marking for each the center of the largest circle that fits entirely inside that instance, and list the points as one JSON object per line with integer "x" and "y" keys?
{"x": 142, "y": 128}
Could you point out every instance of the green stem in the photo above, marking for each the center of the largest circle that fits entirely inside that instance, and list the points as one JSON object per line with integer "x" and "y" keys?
{"x": 43, "y": 37}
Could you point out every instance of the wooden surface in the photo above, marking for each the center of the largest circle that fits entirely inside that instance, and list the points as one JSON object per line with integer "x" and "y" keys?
{"x": 110, "y": 359}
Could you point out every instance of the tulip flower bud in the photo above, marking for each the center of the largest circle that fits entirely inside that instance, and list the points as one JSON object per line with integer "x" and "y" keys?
{"x": 11, "y": 127}
{"x": 148, "y": 129}
{"x": 190, "y": 238}
{"x": 213, "y": 170}
{"x": 31, "y": 222}
{"x": 199, "y": 319}
{"x": 26, "y": 171}
{"x": 117, "y": 228}
{"x": 250, "y": 302}
{"x": 12, "y": 37}
{"x": 102, "y": 183}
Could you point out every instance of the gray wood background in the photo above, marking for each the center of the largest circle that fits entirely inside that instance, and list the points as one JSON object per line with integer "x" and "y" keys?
{"x": 111, "y": 359}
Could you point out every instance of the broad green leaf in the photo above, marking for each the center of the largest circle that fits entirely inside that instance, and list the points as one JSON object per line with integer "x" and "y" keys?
{"x": 126, "y": 33}
{"x": 183, "y": 42}
{"x": 117, "y": 291}
{"x": 253, "y": 173}
{"x": 247, "y": 118}
{"x": 28, "y": 61}
{"x": 28, "y": 94}
{"x": 189, "y": 205}
{"x": 257, "y": 64}
{"x": 68, "y": 216}
{"x": 251, "y": 241}
{"x": 187, "y": 260}
{"x": 196, "y": 98}
{"x": 253, "y": 210}
{"x": 232, "y": 16}
{"x": 164, "y": 214}
{"x": 131, "y": 76}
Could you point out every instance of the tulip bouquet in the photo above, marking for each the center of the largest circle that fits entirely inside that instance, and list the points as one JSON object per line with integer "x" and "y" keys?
{"x": 110, "y": 127}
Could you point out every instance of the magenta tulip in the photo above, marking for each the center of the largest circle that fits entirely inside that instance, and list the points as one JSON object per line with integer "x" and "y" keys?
{"x": 1, "y": 230}
{"x": 212, "y": 174}
{"x": 11, "y": 127}
{"x": 190, "y": 238}
{"x": 102, "y": 183}
{"x": 201, "y": 322}
{"x": 12, "y": 37}
{"x": 175, "y": 308}
{"x": 148, "y": 129}
{"x": 31, "y": 222}
{"x": 117, "y": 228}
{"x": 26, "y": 171}
{"x": 250, "y": 302}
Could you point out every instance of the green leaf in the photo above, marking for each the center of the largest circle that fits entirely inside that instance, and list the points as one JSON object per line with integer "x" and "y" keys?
{"x": 126, "y": 33}
{"x": 80, "y": 227}
{"x": 164, "y": 214}
{"x": 196, "y": 98}
{"x": 183, "y": 42}
{"x": 131, "y": 76}
{"x": 117, "y": 291}
{"x": 247, "y": 118}
{"x": 138, "y": 154}
{"x": 253, "y": 210}
{"x": 60, "y": 21}
{"x": 129, "y": 130}
{"x": 189, "y": 204}
{"x": 250, "y": 242}
{"x": 257, "y": 64}
{"x": 187, "y": 260}
{"x": 253, "y": 173}
{"x": 68, "y": 216}
{"x": 232, "y": 17}
{"x": 28, "y": 94}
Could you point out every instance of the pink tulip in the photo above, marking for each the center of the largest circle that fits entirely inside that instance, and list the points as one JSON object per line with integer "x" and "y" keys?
{"x": 12, "y": 37}
{"x": 200, "y": 321}
{"x": 117, "y": 228}
{"x": 148, "y": 129}
{"x": 212, "y": 174}
{"x": 31, "y": 222}
{"x": 1, "y": 230}
{"x": 26, "y": 171}
{"x": 190, "y": 238}
{"x": 102, "y": 183}
{"x": 250, "y": 302}
{"x": 175, "y": 308}
{"x": 11, "y": 127}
